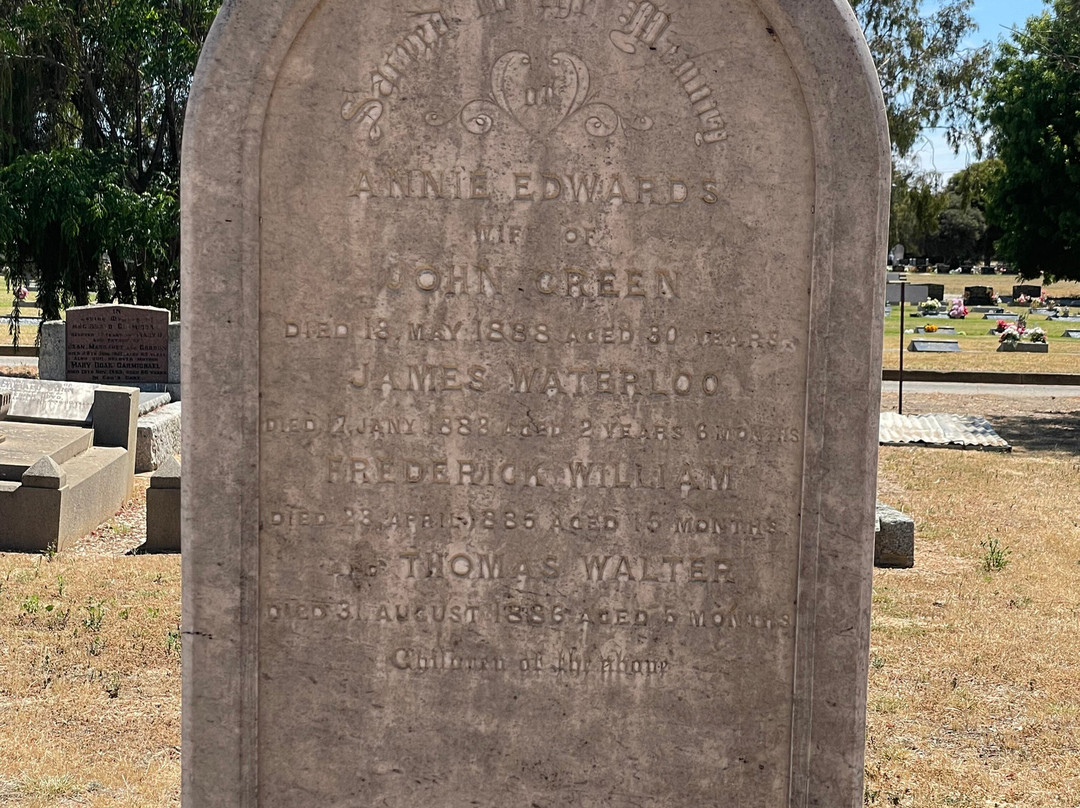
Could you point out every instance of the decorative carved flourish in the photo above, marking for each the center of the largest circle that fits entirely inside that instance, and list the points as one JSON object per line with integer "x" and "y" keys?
{"x": 644, "y": 24}
{"x": 417, "y": 45}
{"x": 539, "y": 101}
{"x": 368, "y": 111}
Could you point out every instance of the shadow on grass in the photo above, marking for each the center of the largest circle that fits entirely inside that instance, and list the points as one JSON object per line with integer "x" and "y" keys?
{"x": 1040, "y": 432}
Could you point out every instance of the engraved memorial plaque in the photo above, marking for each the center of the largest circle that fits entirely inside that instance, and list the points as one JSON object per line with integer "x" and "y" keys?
{"x": 117, "y": 344}
{"x": 533, "y": 497}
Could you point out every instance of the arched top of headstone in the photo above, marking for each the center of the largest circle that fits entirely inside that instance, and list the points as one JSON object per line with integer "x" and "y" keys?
{"x": 532, "y": 365}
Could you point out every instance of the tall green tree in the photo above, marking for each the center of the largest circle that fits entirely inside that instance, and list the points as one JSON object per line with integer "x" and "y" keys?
{"x": 92, "y": 98}
{"x": 929, "y": 80}
{"x": 1033, "y": 107}
{"x": 928, "y": 77}
{"x": 917, "y": 202}
{"x": 973, "y": 189}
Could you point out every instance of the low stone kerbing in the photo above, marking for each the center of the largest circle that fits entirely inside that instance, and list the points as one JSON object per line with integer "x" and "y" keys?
{"x": 894, "y": 538}
{"x": 158, "y": 438}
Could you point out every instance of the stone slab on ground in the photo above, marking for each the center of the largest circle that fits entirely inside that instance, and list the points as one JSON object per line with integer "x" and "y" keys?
{"x": 940, "y": 430}
{"x": 150, "y": 401}
{"x": 1023, "y": 347}
{"x": 934, "y": 346}
{"x": 1072, "y": 334}
{"x": 158, "y": 438}
{"x": 28, "y": 443}
{"x": 894, "y": 538}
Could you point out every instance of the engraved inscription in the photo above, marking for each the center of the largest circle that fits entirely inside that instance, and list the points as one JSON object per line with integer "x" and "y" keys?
{"x": 645, "y": 24}
{"x": 416, "y": 45}
{"x": 633, "y": 187}
{"x": 521, "y": 451}
{"x": 117, "y": 345}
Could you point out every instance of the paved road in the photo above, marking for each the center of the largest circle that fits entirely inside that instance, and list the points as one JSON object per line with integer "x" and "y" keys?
{"x": 1004, "y": 390}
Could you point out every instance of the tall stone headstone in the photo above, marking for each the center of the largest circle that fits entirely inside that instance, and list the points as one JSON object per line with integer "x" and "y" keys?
{"x": 497, "y": 490}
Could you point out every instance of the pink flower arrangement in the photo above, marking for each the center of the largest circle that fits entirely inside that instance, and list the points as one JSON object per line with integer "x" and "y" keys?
{"x": 958, "y": 311}
{"x": 1011, "y": 333}
{"x": 21, "y": 293}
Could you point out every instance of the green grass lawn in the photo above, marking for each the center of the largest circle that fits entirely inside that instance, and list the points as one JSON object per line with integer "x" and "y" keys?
{"x": 978, "y": 348}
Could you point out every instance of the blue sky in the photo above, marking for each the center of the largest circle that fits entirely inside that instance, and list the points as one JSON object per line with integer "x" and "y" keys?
{"x": 994, "y": 17}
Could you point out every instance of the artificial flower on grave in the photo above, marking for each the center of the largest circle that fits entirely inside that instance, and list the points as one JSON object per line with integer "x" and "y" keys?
{"x": 1011, "y": 334}
{"x": 1001, "y": 326}
{"x": 930, "y": 329}
{"x": 20, "y": 293}
{"x": 930, "y": 306}
{"x": 1024, "y": 300}
{"x": 1036, "y": 335}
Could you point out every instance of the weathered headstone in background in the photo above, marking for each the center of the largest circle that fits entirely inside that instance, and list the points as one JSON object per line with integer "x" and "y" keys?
{"x": 979, "y": 295}
{"x": 117, "y": 344}
{"x": 1028, "y": 290}
{"x": 490, "y": 497}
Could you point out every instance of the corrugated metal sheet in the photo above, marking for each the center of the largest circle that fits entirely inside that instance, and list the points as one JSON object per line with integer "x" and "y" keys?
{"x": 941, "y": 430}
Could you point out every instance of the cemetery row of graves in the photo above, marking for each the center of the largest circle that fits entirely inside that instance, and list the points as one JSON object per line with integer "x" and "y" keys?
{"x": 953, "y": 324}
{"x": 100, "y": 404}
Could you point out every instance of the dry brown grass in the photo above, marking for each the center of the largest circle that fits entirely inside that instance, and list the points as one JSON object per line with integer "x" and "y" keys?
{"x": 89, "y": 681}
{"x": 27, "y": 333}
{"x": 974, "y": 697}
{"x": 19, "y": 371}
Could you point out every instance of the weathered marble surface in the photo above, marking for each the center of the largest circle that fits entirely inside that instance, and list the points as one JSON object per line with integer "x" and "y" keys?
{"x": 490, "y": 496}
{"x": 49, "y": 401}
